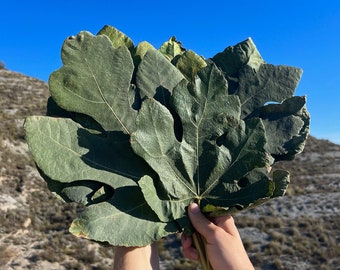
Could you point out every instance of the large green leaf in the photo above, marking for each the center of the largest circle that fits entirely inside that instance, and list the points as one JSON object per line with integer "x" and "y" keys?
{"x": 95, "y": 80}
{"x": 67, "y": 152}
{"x": 124, "y": 220}
{"x": 268, "y": 84}
{"x": 196, "y": 167}
{"x": 157, "y": 77}
{"x": 114, "y": 195}
{"x": 254, "y": 81}
{"x": 135, "y": 134}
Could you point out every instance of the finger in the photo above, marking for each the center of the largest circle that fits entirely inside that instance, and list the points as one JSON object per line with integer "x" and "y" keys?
{"x": 203, "y": 225}
{"x": 190, "y": 253}
{"x": 227, "y": 223}
{"x": 187, "y": 249}
{"x": 186, "y": 240}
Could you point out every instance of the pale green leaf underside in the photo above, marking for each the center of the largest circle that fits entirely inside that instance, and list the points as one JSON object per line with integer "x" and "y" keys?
{"x": 157, "y": 77}
{"x": 254, "y": 81}
{"x": 95, "y": 80}
{"x": 171, "y": 48}
{"x": 135, "y": 134}
{"x": 117, "y": 37}
{"x": 193, "y": 168}
{"x": 193, "y": 61}
{"x": 124, "y": 220}
{"x": 234, "y": 58}
{"x": 67, "y": 152}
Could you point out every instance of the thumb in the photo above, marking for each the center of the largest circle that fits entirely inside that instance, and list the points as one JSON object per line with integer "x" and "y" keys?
{"x": 203, "y": 225}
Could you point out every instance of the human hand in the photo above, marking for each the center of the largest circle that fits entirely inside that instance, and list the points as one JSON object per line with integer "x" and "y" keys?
{"x": 224, "y": 246}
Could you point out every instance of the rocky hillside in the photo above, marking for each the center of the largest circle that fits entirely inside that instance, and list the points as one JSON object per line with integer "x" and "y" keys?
{"x": 299, "y": 231}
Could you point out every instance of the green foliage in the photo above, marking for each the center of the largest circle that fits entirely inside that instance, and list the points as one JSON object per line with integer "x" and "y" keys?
{"x": 136, "y": 134}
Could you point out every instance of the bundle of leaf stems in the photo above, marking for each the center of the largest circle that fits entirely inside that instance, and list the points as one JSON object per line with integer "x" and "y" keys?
{"x": 200, "y": 242}
{"x": 200, "y": 245}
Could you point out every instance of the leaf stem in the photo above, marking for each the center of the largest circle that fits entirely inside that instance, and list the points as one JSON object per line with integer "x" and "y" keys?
{"x": 200, "y": 245}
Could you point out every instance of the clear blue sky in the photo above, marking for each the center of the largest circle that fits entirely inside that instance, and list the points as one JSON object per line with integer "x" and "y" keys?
{"x": 304, "y": 34}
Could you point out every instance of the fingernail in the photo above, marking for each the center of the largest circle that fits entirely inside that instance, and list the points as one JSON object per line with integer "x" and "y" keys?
{"x": 194, "y": 208}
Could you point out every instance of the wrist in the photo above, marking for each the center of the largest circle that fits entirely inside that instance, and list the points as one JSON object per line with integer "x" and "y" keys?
{"x": 128, "y": 258}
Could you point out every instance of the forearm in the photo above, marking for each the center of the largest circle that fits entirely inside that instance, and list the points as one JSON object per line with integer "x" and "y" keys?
{"x": 131, "y": 258}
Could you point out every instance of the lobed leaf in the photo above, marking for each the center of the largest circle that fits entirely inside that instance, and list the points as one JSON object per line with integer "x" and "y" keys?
{"x": 124, "y": 220}
{"x": 197, "y": 168}
{"x": 135, "y": 134}
{"x": 156, "y": 77}
{"x": 95, "y": 80}
{"x": 67, "y": 152}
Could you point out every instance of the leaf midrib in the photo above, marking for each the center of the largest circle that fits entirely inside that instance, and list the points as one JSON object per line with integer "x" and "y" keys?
{"x": 125, "y": 130}
{"x": 197, "y": 146}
